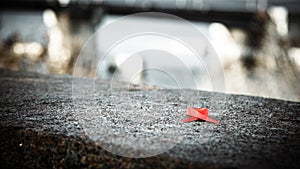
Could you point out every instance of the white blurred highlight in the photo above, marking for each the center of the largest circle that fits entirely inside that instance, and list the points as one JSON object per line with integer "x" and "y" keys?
{"x": 64, "y": 3}
{"x": 19, "y": 49}
{"x": 279, "y": 16}
{"x": 31, "y": 50}
{"x": 49, "y": 18}
{"x": 224, "y": 44}
{"x": 294, "y": 54}
{"x": 58, "y": 54}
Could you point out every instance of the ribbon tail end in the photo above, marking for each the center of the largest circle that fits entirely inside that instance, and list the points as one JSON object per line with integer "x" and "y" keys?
{"x": 213, "y": 121}
{"x": 190, "y": 119}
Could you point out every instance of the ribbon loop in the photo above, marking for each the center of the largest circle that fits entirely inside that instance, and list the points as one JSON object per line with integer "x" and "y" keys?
{"x": 198, "y": 113}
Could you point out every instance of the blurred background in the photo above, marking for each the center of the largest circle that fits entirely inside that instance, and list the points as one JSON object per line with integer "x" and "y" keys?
{"x": 257, "y": 41}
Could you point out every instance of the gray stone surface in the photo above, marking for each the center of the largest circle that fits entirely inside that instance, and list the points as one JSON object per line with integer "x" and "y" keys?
{"x": 43, "y": 126}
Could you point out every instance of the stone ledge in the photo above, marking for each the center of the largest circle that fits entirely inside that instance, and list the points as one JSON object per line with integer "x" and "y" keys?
{"x": 39, "y": 130}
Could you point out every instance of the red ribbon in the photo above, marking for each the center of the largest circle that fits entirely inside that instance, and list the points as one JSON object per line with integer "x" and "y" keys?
{"x": 198, "y": 113}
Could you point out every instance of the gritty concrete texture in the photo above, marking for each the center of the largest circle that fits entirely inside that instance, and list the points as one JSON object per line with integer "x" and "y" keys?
{"x": 42, "y": 125}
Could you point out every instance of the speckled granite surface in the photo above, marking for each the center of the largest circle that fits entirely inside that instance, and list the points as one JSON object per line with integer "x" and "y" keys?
{"x": 41, "y": 127}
